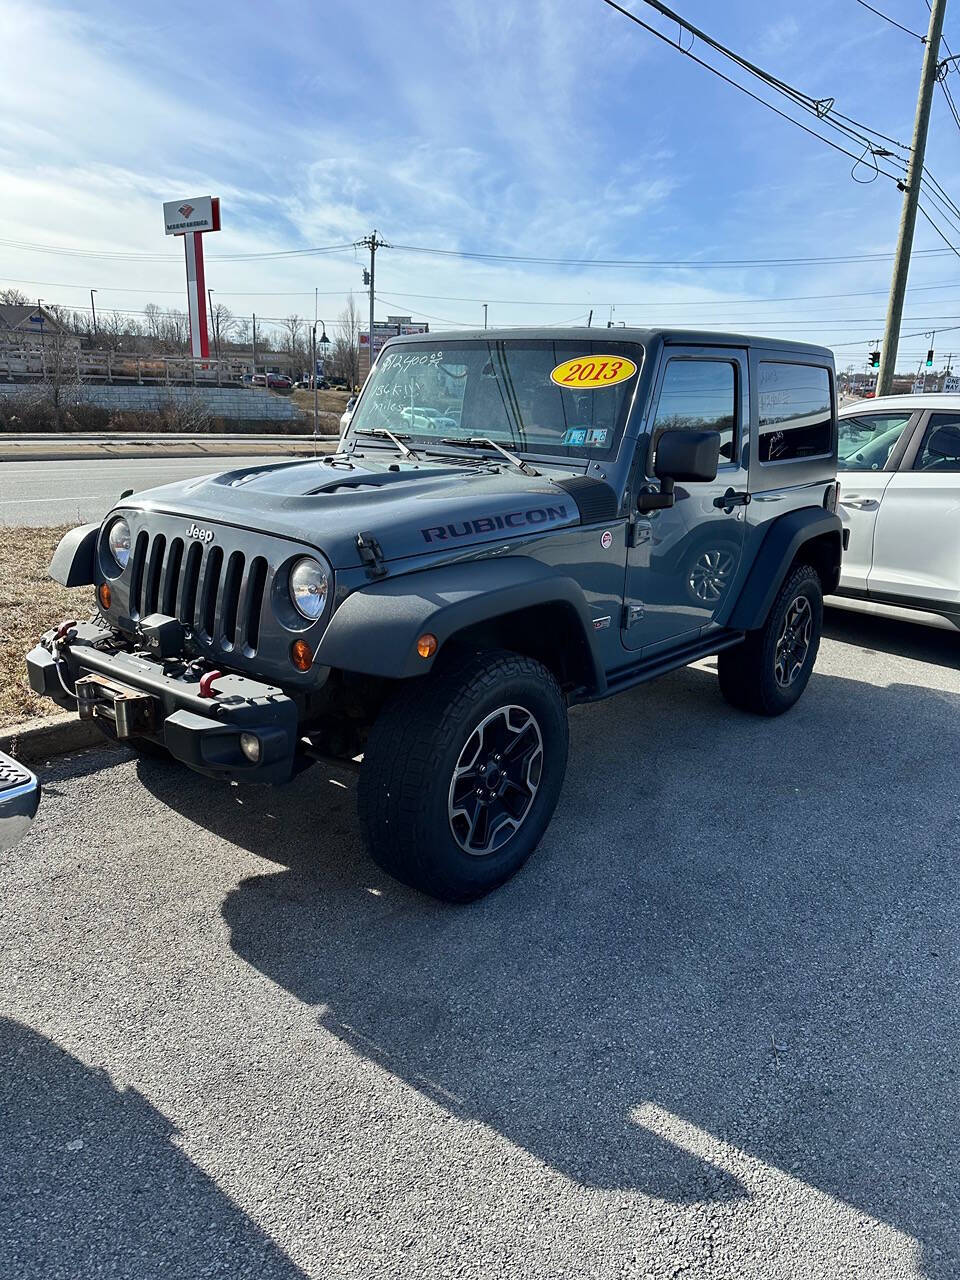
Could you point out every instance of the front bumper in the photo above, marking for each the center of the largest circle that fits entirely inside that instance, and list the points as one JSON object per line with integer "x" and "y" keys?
{"x": 201, "y": 732}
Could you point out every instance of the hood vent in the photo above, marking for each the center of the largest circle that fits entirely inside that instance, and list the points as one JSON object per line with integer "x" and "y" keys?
{"x": 595, "y": 499}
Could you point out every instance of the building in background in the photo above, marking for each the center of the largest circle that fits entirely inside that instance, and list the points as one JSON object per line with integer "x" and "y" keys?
{"x": 382, "y": 331}
{"x": 29, "y": 326}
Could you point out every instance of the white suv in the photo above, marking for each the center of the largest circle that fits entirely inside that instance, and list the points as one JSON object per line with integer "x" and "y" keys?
{"x": 899, "y": 470}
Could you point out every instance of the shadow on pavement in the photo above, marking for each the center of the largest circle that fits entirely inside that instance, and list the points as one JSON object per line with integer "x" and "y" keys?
{"x": 91, "y": 1183}
{"x": 917, "y": 640}
{"x": 750, "y": 924}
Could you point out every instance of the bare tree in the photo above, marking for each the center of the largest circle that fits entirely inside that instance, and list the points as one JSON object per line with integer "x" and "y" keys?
{"x": 346, "y": 344}
{"x": 14, "y": 297}
{"x": 223, "y": 322}
{"x": 295, "y": 339}
{"x": 60, "y": 371}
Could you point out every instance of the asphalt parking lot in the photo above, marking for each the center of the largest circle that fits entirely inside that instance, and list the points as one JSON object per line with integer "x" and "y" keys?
{"x": 712, "y": 1029}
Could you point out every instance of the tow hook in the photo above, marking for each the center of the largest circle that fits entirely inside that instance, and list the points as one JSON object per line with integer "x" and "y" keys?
{"x": 206, "y": 684}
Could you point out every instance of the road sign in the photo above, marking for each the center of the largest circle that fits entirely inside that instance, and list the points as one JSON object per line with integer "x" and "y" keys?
{"x": 951, "y": 384}
{"x": 919, "y": 385}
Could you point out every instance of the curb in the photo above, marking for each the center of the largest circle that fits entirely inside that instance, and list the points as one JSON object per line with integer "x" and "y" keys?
{"x": 54, "y": 450}
{"x": 48, "y": 736}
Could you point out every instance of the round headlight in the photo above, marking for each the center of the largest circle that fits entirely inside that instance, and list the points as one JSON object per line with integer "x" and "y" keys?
{"x": 118, "y": 540}
{"x": 309, "y": 584}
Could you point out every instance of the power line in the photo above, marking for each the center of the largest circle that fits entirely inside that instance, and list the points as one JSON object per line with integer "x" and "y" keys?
{"x": 132, "y": 255}
{"x": 823, "y": 108}
{"x": 886, "y": 17}
{"x": 944, "y": 238}
{"x": 623, "y": 263}
{"x": 743, "y": 88}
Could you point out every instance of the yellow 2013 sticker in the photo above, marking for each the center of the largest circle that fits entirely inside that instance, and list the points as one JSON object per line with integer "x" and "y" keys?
{"x": 589, "y": 373}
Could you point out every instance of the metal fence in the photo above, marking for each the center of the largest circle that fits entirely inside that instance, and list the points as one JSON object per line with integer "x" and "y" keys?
{"x": 36, "y": 364}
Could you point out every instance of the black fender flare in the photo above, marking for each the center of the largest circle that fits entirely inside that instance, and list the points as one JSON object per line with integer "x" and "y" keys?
{"x": 74, "y": 560}
{"x": 375, "y": 630}
{"x": 783, "y": 540}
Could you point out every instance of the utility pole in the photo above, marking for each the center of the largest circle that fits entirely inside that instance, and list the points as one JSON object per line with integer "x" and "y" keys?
{"x": 590, "y": 318}
{"x": 254, "y": 342}
{"x": 484, "y": 315}
{"x": 911, "y": 198}
{"x": 94, "y": 310}
{"x": 373, "y": 244}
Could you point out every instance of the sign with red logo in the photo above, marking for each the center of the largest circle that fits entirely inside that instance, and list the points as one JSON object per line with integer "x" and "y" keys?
{"x": 200, "y": 213}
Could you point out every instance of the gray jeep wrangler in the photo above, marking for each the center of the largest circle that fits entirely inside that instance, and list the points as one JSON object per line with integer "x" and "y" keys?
{"x": 515, "y": 522}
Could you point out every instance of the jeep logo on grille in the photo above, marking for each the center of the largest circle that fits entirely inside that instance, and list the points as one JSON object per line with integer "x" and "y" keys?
{"x": 201, "y": 535}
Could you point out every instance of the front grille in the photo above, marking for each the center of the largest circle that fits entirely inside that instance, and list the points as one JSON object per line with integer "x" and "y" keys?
{"x": 220, "y": 600}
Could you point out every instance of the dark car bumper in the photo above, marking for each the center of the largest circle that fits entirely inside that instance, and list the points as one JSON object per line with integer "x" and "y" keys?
{"x": 134, "y": 697}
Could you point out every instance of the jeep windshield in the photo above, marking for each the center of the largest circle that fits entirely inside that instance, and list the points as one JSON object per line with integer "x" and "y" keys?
{"x": 540, "y": 396}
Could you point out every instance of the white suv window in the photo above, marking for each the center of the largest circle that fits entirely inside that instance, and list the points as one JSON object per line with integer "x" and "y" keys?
{"x": 867, "y": 440}
{"x": 940, "y": 450}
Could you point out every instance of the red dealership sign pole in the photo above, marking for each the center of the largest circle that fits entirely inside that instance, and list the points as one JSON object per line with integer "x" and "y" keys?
{"x": 191, "y": 219}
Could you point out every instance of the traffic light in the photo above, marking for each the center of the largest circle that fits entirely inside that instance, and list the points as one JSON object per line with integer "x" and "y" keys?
{"x": 930, "y": 358}
{"x": 874, "y": 359}
{"x": 366, "y": 276}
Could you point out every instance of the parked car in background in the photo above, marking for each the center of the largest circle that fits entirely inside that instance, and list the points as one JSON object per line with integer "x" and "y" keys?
{"x": 347, "y": 414}
{"x": 275, "y": 381}
{"x": 899, "y": 468}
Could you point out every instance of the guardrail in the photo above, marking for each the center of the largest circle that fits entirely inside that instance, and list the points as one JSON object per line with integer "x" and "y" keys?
{"x": 36, "y": 364}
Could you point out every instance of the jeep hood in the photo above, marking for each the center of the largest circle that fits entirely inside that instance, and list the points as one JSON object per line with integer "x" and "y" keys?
{"x": 411, "y": 508}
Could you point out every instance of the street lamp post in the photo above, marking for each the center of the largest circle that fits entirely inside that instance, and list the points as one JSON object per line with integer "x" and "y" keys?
{"x": 93, "y": 308}
{"x": 324, "y": 341}
{"x": 214, "y": 326}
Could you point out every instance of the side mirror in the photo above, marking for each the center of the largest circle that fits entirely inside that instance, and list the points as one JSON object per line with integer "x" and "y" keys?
{"x": 689, "y": 456}
{"x": 19, "y": 800}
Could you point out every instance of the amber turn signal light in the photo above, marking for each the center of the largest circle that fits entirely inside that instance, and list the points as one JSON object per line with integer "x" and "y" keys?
{"x": 427, "y": 645}
{"x": 301, "y": 655}
{"x": 104, "y": 595}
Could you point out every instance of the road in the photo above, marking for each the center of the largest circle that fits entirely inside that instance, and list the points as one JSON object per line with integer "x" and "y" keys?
{"x": 712, "y": 1029}
{"x": 50, "y": 493}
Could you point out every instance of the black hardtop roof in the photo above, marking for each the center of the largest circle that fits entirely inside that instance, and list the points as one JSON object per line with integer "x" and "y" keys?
{"x": 684, "y": 337}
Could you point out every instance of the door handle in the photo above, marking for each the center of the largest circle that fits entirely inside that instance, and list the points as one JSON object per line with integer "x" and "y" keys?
{"x": 731, "y": 499}
{"x": 861, "y": 504}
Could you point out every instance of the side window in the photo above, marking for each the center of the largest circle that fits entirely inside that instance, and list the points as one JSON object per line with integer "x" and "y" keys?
{"x": 698, "y": 395}
{"x": 867, "y": 440}
{"x": 940, "y": 450}
{"x": 795, "y": 416}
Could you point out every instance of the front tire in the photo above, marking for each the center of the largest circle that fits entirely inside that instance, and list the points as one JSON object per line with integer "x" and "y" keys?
{"x": 462, "y": 772}
{"x": 768, "y": 672}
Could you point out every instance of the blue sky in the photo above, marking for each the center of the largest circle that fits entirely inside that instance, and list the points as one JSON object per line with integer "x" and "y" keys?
{"x": 535, "y": 127}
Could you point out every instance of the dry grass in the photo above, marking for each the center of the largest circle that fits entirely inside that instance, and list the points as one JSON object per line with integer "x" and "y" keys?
{"x": 30, "y": 603}
{"x": 330, "y": 405}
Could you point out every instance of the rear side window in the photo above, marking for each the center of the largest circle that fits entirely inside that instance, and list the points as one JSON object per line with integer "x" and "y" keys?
{"x": 940, "y": 450}
{"x": 795, "y": 412}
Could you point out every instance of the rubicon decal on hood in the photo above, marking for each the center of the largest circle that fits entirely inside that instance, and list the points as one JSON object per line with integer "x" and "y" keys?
{"x": 490, "y": 524}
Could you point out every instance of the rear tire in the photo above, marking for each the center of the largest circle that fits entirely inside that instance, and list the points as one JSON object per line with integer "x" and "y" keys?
{"x": 768, "y": 672}
{"x": 462, "y": 772}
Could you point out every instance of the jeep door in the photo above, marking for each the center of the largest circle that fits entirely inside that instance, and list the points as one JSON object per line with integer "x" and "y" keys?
{"x": 685, "y": 559}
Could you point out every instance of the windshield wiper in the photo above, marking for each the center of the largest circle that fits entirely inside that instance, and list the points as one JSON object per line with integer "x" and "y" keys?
{"x": 383, "y": 433}
{"x": 483, "y": 442}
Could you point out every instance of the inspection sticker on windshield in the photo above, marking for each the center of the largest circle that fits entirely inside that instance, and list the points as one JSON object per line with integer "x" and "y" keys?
{"x": 586, "y": 437}
{"x": 589, "y": 373}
